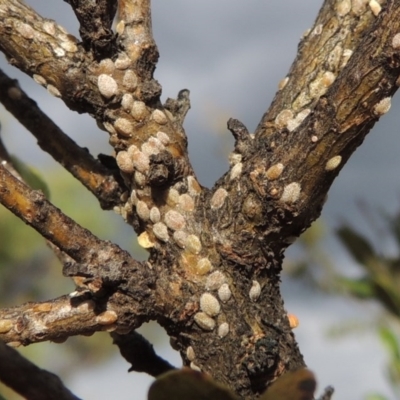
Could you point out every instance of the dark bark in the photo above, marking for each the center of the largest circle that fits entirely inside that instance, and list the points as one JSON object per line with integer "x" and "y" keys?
{"x": 95, "y": 19}
{"x": 213, "y": 275}
{"x": 140, "y": 353}
{"x": 105, "y": 184}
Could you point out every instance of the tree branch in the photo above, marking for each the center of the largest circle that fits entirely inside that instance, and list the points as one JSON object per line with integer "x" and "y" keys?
{"x": 323, "y": 53}
{"x": 293, "y": 159}
{"x": 89, "y": 171}
{"x": 6, "y": 161}
{"x": 215, "y": 256}
{"x": 136, "y": 37}
{"x": 28, "y": 380}
{"x": 91, "y": 253}
{"x": 122, "y": 95}
{"x": 79, "y": 313}
{"x": 95, "y": 19}
{"x": 316, "y": 151}
{"x": 139, "y": 352}
{"x": 273, "y": 191}
{"x": 45, "y": 51}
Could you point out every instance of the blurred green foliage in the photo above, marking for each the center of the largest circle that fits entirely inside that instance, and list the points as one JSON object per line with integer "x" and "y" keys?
{"x": 378, "y": 281}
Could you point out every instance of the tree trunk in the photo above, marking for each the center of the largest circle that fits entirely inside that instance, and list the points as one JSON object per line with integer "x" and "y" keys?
{"x": 212, "y": 279}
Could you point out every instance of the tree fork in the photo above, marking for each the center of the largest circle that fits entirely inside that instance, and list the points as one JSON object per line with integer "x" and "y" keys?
{"x": 212, "y": 279}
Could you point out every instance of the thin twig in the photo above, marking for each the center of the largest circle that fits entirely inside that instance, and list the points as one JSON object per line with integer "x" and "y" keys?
{"x": 78, "y": 161}
{"x": 6, "y": 161}
{"x": 139, "y": 352}
{"x": 76, "y": 314}
{"x": 80, "y": 244}
{"x": 79, "y": 313}
{"x": 328, "y": 393}
{"x": 28, "y": 380}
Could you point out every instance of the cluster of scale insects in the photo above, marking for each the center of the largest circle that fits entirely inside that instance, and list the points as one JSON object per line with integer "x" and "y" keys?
{"x": 168, "y": 223}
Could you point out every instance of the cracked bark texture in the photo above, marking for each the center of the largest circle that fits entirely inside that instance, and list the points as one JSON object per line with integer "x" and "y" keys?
{"x": 212, "y": 279}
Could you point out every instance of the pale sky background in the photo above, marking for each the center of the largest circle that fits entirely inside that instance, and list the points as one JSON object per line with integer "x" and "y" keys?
{"x": 231, "y": 54}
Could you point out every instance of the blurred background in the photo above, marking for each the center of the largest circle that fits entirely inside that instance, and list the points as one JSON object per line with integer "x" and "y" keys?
{"x": 230, "y": 54}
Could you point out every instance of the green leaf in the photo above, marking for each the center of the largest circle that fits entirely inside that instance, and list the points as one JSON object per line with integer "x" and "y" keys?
{"x": 394, "y": 373}
{"x": 356, "y": 244}
{"x": 390, "y": 341}
{"x": 295, "y": 385}
{"x": 375, "y": 396}
{"x": 360, "y": 288}
{"x": 187, "y": 384}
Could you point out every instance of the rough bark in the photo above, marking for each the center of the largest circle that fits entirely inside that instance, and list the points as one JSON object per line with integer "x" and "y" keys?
{"x": 212, "y": 278}
{"x": 105, "y": 184}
